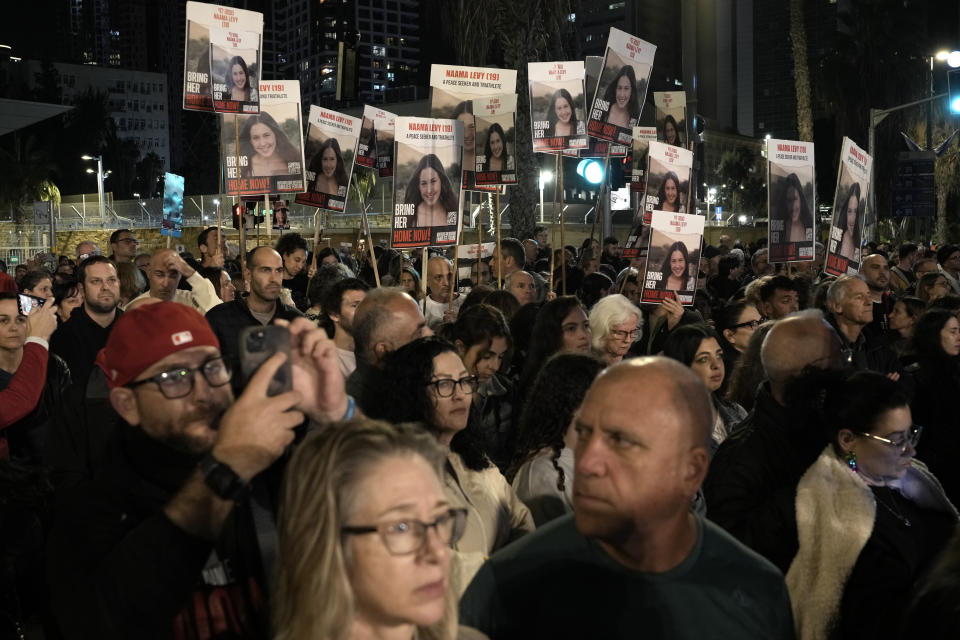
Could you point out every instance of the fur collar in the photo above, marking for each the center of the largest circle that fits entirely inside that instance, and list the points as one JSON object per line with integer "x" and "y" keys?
{"x": 835, "y": 516}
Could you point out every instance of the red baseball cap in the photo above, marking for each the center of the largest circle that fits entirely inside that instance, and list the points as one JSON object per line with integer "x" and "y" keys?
{"x": 149, "y": 333}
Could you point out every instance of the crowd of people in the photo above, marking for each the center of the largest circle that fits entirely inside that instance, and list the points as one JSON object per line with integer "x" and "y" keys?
{"x": 515, "y": 454}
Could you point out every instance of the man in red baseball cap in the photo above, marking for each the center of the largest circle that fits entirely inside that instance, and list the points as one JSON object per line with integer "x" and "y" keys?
{"x": 164, "y": 540}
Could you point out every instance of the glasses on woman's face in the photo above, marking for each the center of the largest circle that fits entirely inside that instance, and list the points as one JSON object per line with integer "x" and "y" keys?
{"x": 445, "y": 386}
{"x": 617, "y": 334}
{"x": 403, "y": 537}
{"x": 753, "y": 324}
{"x": 901, "y": 441}
{"x": 178, "y": 383}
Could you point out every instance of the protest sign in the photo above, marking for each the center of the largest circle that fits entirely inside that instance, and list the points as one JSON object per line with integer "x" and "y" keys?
{"x": 427, "y": 183}
{"x": 332, "y": 139}
{"x": 791, "y": 204}
{"x": 622, "y": 89}
{"x": 673, "y": 258}
{"x": 557, "y": 106}
{"x": 671, "y": 117}
{"x": 263, "y": 153}
{"x": 668, "y": 178}
{"x": 172, "y": 224}
{"x": 642, "y": 136}
{"x": 281, "y": 216}
{"x": 596, "y": 148}
{"x": 452, "y": 90}
{"x": 496, "y": 139}
{"x": 234, "y": 67}
{"x": 849, "y": 209}
{"x": 375, "y": 144}
{"x": 199, "y": 77}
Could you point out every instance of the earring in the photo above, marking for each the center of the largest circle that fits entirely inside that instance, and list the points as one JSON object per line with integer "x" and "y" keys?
{"x": 851, "y": 459}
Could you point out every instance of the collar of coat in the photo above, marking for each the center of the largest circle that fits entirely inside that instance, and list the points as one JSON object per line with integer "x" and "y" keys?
{"x": 835, "y": 515}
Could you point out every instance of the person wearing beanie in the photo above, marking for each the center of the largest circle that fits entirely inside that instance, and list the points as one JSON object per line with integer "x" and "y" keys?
{"x": 171, "y": 537}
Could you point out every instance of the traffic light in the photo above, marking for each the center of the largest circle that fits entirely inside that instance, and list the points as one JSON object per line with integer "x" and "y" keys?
{"x": 237, "y": 216}
{"x": 953, "y": 90}
{"x": 591, "y": 171}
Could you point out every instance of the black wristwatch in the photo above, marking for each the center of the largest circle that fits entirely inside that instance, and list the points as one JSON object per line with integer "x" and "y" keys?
{"x": 221, "y": 479}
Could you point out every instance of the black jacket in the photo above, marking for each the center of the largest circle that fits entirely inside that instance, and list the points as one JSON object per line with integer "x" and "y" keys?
{"x": 753, "y": 477}
{"x": 78, "y": 340}
{"x": 119, "y": 568}
{"x": 28, "y": 437}
{"x": 869, "y": 352}
{"x": 936, "y": 386}
{"x": 230, "y": 318}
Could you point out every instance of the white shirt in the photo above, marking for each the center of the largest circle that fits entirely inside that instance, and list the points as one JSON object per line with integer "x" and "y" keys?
{"x": 433, "y": 311}
{"x": 203, "y": 297}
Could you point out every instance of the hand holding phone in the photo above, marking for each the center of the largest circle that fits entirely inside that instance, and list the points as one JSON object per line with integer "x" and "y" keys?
{"x": 257, "y": 344}
{"x": 27, "y": 303}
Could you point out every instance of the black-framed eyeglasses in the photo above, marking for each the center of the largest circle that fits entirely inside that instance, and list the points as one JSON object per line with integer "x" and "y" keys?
{"x": 911, "y": 438}
{"x": 753, "y": 324}
{"x": 617, "y": 334}
{"x": 403, "y": 537}
{"x": 445, "y": 386}
{"x": 177, "y": 383}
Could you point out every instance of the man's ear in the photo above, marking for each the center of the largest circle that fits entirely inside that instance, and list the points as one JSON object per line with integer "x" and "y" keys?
{"x": 124, "y": 402}
{"x": 381, "y": 349}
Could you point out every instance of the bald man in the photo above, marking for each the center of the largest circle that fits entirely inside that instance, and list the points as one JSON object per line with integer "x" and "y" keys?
{"x": 386, "y": 320}
{"x": 437, "y": 307}
{"x": 164, "y": 273}
{"x": 753, "y": 478}
{"x": 633, "y": 560}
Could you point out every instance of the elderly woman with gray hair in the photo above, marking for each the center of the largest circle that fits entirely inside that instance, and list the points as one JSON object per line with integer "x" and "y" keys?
{"x": 616, "y": 324}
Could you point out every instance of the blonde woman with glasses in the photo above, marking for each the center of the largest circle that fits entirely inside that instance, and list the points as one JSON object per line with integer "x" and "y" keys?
{"x": 364, "y": 538}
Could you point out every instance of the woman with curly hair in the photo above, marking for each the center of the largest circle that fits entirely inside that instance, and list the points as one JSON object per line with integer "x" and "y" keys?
{"x": 238, "y": 79}
{"x": 621, "y": 95}
{"x": 431, "y": 385}
{"x": 542, "y": 467}
{"x": 266, "y": 147}
{"x": 496, "y": 157}
{"x": 363, "y": 528}
{"x": 327, "y": 166}
{"x": 562, "y": 115}
{"x": 669, "y": 196}
{"x": 430, "y": 190}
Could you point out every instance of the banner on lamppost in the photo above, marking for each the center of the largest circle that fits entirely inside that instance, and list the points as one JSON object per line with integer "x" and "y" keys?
{"x": 332, "y": 140}
{"x": 622, "y": 88}
{"x": 791, "y": 201}
{"x": 849, "y": 209}
{"x": 263, "y": 153}
{"x": 199, "y": 76}
{"x": 427, "y": 182}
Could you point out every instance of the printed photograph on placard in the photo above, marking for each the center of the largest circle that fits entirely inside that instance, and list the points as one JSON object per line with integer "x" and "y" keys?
{"x": 172, "y": 205}
{"x": 849, "y": 211}
{"x": 496, "y": 139}
{"x": 642, "y": 136}
{"x": 367, "y": 144}
{"x": 281, "y": 214}
{"x": 385, "y": 141}
{"x": 668, "y": 178}
{"x": 597, "y": 148}
{"x": 790, "y": 201}
{"x": 199, "y": 78}
{"x": 673, "y": 259}
{"x": 557, "y": 106}
{"x": 270, "y": 153}
{"x": 330, "y": 144}
{"x": 622, "y": 89}
{"x": 234, "y": 65}
{"x": 427, "y": 182}
{"x": 452, "y": 90}
{"x": 671, "y": 117}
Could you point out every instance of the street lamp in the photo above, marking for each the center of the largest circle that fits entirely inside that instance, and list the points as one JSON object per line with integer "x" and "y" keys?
{"x": 100, "y": 177}
{"x": 545, "y": 176}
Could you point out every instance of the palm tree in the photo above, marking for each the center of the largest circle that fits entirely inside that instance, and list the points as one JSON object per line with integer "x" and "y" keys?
{"x": 25, "y": 175}
{"x": 801, "y": 72}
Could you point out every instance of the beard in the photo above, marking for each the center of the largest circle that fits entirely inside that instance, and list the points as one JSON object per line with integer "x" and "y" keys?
{"x": 101, "y": 307}
{"x": 193, "y": 442}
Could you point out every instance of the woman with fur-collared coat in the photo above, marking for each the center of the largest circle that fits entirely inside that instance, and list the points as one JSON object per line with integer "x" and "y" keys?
{"x": 871, "y": 520}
